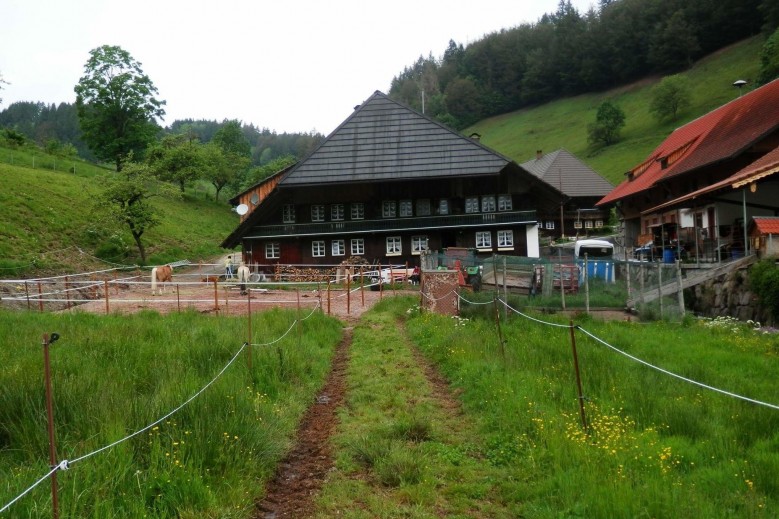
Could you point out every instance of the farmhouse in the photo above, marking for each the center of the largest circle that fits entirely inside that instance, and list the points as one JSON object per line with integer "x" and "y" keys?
{"x": 578, "y": 187}
{"x": 697, "y": 192}
{"x": 387, "y": 184}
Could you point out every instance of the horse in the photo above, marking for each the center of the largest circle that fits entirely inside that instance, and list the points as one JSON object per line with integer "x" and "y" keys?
{"x": 243, "y": 277}
{"x": 163, "y": 274}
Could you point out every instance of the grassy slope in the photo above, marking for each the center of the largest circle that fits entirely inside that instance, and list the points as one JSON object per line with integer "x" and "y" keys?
{"x": 46, "y": 217}
{"x": 563, "y": 123}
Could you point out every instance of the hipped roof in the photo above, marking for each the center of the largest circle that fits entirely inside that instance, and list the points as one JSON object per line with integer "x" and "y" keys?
{"x": 566, "y": 173}
{"x": 765, "y": 166}
{"x": 383, "y": 140}
{"x": 719, "y": 135}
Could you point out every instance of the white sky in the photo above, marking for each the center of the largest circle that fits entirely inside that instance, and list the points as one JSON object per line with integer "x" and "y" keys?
{"x": 286, "y": 65}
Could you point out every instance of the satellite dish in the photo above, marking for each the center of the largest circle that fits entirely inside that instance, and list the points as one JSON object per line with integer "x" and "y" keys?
{"x": 242, "y": 209}
{"x": 739, "y": 83}
{"x": 255, "y": 199}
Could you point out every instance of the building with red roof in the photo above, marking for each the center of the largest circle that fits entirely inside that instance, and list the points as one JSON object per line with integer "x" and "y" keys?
{"x": 700, "y": 185}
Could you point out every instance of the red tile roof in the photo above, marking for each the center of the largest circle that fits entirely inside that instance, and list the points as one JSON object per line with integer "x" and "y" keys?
{"x": 765, "y": 166}
{"x": 767, "y": 225}
{"x": 721, "y": 134}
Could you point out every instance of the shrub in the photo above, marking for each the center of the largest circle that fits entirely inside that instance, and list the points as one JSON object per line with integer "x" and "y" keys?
{"x": 764, "y": 282}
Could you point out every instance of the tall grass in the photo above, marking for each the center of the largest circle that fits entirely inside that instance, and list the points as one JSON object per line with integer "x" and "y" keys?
{"x": 113, "y": 375}
{"x": 655, "y": 446}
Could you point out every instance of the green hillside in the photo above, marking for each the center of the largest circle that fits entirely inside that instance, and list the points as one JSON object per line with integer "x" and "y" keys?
{"x": 563, "y": 123}
{"x": 47, "y": 222}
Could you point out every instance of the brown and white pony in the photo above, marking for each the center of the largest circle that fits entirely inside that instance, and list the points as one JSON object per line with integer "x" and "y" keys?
{"x": 162, "y": 275}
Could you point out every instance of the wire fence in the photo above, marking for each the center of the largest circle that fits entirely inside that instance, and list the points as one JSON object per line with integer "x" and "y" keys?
{"x": 202, "y": 286}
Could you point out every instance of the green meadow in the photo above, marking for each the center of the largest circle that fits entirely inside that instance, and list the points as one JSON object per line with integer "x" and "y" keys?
{"x": 654, "y": 445}
{"x": 115, "y": 375}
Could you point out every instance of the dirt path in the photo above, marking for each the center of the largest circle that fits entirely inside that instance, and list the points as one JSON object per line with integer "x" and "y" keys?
{"x": 301, "y": 474}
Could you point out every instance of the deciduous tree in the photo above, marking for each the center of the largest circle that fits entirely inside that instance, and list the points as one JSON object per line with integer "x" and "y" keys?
{"x": 669, "y": 97}
{"x": 125, "y": 200}
{"x": 608, "y": 122}
{"x": 177, "y": 159}
{"x": 116, "y": 104}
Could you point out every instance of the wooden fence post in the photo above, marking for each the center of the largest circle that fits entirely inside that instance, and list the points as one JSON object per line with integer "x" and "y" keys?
{"x": 578, "y": 376}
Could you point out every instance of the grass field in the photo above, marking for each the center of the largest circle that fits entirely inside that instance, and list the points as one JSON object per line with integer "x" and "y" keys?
{"x": 48, "y": 224}
{"x": 114, "y": 375}
{"x": 508, "y": 441}
{"x": 563, "y": 123}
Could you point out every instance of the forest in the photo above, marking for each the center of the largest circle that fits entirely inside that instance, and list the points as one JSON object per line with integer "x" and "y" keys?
{"x": 567, "y": 53}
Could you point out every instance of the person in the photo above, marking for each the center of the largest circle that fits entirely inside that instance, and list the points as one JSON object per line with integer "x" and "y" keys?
{"x": 229, "y": 267}
{"x": 415, "y": 275}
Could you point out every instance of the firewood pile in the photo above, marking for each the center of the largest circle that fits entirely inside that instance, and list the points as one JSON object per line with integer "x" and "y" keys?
{"x": 311, "y": 274}
{"x": 298, "y": 274}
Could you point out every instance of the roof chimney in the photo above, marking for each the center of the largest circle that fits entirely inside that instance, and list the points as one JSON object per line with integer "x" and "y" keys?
{"x": 539, "y": 154}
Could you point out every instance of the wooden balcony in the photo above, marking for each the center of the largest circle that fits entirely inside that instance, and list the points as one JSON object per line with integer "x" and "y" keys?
{"x": 387, "y": 225}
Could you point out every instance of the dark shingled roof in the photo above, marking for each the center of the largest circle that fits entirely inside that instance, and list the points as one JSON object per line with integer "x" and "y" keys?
{"x": 383, "y": 140}
{"x": 578, "y": 179}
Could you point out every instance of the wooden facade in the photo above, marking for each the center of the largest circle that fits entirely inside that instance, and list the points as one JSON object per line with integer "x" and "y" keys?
{"x": 386, "y": 185}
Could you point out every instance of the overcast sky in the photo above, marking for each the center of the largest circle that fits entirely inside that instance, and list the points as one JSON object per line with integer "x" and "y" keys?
{"x": 286, "y": 65}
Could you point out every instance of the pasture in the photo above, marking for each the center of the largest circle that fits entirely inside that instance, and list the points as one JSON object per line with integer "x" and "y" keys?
{"x": 681, "y": 418}
{"x": 115, "y": 375}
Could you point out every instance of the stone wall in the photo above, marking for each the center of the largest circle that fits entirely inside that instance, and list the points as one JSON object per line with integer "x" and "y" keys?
{"x": 439, "y": 292}
{"x": 727, "y": 295}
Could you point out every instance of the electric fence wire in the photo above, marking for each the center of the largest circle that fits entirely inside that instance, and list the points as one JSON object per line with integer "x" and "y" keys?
{"x": 436, "y": 299}
{"x": 41, "y": 480}
{"x": 472, "y": 302}
{"x": 65, "y": 464}
{"x": 291, "y": 326}
{"x": 540, "y": 321}
{"x": 675, "y": 375}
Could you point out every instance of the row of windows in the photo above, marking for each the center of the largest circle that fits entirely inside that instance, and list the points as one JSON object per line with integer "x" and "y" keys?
{"x": 588, "y": 224}
{"x": 402, "y": 208}
{"x": 394, "y": 245}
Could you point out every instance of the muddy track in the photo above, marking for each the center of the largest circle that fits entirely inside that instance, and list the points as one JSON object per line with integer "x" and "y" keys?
{"x": 302, "y": 472}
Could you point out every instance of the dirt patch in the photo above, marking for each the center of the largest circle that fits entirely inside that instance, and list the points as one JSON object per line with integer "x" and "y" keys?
{"x": 301, "y": 474}
{"x": 226, "y": 299}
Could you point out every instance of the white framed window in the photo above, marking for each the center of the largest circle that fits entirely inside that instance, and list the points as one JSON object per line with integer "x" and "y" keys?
{"x": 418, "y": 244}
{"x": 549, "y": 224}
{"x": 577, "y": 224}
{"x": 483, "y": 240}
{"x": 423, "y": 207}
{"x": 358, "y": 211}
{"x": 598, "y": 224}
{"x": 443, "y": 206}
{"x": 358, "y": 246}
{"x": 317, "y": 213}
{"x": 318, "y": 248}
{"x": 273, "y": 250}
{"x": 394, "y": 247}
{"x": 337, "y": 212}
{"x": 588, "y": 224}
{"x": 472, "y": 204}
{"x": 406, "y": 208}
{"x": 338, "y": 247}
{"x": 505, "y": 203}
{"x": 488, "y": 204}
{"x": 505, "y": 240}
{"x": 288, "y": 213}
{"x": 388, "y": 209}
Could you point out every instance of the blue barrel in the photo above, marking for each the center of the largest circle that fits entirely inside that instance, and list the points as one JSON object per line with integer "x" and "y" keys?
{"x": 668, "y": 256}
